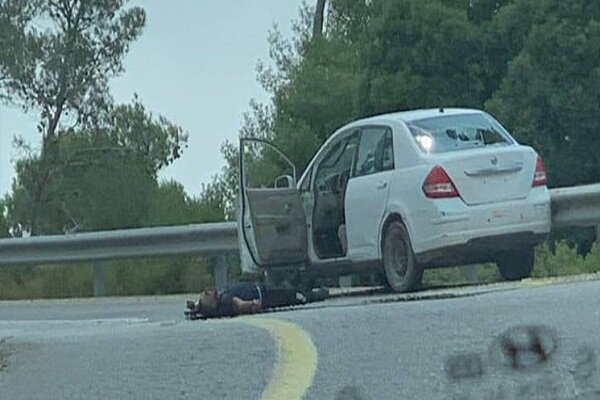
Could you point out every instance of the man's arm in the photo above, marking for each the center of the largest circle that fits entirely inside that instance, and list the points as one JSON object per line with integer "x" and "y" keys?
{"x": 245, "y": 307}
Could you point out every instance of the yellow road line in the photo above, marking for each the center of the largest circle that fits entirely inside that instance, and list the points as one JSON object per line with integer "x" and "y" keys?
{"x": 538, "y": 282}
{"x": 296, "y": 362}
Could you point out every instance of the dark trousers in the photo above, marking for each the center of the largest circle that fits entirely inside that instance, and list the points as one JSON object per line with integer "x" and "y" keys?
{"x": 274, "y": 296}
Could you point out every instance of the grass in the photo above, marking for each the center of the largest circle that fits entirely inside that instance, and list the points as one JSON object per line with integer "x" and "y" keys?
{"x": 122, "y": 278}
{"x": 561, "y": 261}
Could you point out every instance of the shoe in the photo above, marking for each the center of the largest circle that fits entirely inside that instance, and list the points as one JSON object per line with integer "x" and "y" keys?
{"x": 300, "y": 298}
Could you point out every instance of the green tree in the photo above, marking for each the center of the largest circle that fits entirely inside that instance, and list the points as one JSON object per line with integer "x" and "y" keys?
{"x": 156, "y": 140}
{"x": 168, "y": 205}
{"x": 549, "y": 95}
{"x": 102, "y": 178}
{"x": 61, "y": 70}
{"x": 212, "y": 205}
{"x": 421, "y": 54}
{"x": 482, "y": 11}
{"x": 89, "y": 189}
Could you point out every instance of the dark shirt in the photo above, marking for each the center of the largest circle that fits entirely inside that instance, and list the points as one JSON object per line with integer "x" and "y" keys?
{"x": 244, "y": 291}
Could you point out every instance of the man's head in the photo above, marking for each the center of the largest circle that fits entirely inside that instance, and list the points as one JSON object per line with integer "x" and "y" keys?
{"x": 208, "y": 302}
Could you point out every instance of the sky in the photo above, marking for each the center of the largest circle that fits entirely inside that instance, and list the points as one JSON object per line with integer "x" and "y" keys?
{"x": 194, "y": 64}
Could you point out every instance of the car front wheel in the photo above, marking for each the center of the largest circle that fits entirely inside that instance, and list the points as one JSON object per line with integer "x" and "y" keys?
{"x": 402, "y": 271}
{"x": 517, "y": 264}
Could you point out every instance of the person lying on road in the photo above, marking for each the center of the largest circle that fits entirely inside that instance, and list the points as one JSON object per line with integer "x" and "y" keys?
{"x": 248, "y": 298}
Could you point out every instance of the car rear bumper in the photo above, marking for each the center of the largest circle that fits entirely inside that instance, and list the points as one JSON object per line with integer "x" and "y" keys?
{"x": 451, "y": 223}
{"x": 478, "y": 250}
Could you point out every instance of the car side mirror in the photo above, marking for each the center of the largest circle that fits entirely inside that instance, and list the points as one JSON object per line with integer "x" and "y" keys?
{"x": 284, "y": 181}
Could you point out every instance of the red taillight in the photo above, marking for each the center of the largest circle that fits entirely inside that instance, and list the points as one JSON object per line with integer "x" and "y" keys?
{"x": 438, "y": 185}
{"x": 539, "y": 178}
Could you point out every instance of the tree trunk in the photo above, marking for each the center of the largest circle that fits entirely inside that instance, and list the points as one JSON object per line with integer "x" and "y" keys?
{"x": 43, "y": 173}
{"x": 318, "y": 19}
{"x": 47, "y": 161}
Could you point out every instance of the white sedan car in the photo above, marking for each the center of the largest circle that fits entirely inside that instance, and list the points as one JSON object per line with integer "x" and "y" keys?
{"x": 400, "y": 192}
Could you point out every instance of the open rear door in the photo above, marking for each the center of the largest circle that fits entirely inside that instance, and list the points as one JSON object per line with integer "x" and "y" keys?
{"x": 271, "y": 218}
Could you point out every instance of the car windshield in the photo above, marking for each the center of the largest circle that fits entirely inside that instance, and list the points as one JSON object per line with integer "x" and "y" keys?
{"x": 458, "y": 132}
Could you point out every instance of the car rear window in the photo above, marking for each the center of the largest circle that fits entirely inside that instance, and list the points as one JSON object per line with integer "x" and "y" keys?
{"x": 458, "y": 132}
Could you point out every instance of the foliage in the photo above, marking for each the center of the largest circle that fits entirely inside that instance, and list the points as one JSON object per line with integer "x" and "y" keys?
{"x": 158, "y": 276}
{"x": 98, "y": 163}
{"x": 63, "y": 53}
{"x": 19, "y": 282}
{"x": 212, "y": 205}
{"x": 56, "y": 60}
{"x": 100, "y": 179}
{"x": 170, "y": 205}
{"x": 127, "y": 277}
{"x": 564, "y": 260}
{"x": 549, "y": 96}
{"x": 156, "y": 141}
{"x": 485, "y": 273}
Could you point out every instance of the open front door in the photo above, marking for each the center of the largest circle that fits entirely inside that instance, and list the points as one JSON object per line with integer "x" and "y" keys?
{"x": 271, "y": 218}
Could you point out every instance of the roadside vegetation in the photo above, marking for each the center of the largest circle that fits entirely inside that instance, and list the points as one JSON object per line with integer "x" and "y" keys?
{"x": 562, "y": 260}
{"x": 96, "y": 166}
{"x": 192, "y": 274}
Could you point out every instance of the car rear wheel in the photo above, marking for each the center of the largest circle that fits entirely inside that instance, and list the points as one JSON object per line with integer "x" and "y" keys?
{"x": 517, "y": 264}
{"x": 402, "y": 271}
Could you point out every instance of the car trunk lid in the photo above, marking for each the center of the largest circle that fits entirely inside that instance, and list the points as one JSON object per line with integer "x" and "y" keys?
{"x": 489, "y": 175}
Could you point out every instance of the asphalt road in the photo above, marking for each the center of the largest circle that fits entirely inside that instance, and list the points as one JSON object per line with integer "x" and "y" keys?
{"x": 363, "y": 347}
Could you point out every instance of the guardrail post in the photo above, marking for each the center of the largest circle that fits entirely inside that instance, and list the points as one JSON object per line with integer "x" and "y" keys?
{"x": 471, "y": 274}
{"x": 220, "y": 268}
{"x": 598, "y": 243}
{"x": 99, "y": 288}
{"x": 345, "y": 281}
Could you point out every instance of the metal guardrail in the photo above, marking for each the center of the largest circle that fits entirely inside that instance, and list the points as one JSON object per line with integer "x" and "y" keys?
{"x": 201, "y": 239}
{"x": 217, "y": 239}
{"x": 576, "y": 206}
{"x": 573, "y": 206}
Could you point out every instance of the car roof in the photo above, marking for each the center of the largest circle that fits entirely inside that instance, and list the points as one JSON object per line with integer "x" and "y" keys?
{"x": 414, "y": 115}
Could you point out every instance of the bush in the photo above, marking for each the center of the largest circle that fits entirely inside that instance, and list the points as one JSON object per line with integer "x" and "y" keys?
{"x": 156, "y": 276}
{"x": 46, "y": 281}
{"x": 563, "y": 260}
{"x": 485, "y": 273}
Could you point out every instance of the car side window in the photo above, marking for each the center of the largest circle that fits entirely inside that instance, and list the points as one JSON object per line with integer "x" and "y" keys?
{"x": 375, "y": 152}
{"x": 387, "y": 159}
{"x": 337, "y": 163}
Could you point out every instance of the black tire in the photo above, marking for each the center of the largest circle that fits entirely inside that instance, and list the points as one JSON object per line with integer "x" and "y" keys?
{"x": 517, "y": 264}
{"x": 402, "y": 272}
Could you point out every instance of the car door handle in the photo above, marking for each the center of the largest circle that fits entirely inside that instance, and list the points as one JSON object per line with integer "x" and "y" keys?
{"x": 382, "y": 185}
{"x": 495, "y": 170}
